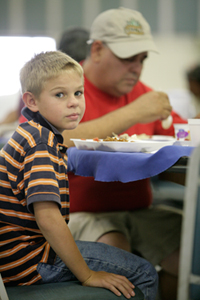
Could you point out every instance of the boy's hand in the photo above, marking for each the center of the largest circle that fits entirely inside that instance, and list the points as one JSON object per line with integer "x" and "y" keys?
{"x": 116, "y": 283}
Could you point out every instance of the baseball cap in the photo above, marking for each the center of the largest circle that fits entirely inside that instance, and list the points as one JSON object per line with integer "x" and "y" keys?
{"x": 125, "y": 32}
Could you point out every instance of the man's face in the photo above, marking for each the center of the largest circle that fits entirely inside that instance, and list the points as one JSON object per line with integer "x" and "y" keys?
{"x": 119, "y": 76}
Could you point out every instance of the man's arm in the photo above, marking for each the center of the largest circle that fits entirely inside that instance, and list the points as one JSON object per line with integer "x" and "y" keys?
{"x": 147, "y": 108}
{"x": 57, "y": 233}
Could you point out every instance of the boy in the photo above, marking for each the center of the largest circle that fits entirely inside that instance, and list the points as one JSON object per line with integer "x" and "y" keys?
{"x": 36, "y": 244}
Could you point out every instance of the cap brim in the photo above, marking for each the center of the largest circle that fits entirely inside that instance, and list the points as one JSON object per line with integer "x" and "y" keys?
{"x": 131, "y": 48}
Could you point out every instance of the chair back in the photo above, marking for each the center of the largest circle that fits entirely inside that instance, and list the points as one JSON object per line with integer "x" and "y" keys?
{"x": 3, "y": 293}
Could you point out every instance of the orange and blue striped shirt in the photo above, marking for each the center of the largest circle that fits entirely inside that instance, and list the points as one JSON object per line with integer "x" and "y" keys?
{"x": 33, "y": 167}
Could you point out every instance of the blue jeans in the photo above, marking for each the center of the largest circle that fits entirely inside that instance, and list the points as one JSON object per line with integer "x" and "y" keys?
{"x": 102, "y": 257}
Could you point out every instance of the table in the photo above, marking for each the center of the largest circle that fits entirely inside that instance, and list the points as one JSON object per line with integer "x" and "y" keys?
{"x": 124, "y": 167}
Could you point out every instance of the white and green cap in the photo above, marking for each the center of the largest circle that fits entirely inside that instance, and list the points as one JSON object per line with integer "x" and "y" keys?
{"x": 125, "y": 32}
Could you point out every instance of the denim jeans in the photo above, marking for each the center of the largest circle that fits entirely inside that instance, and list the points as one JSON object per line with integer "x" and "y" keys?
{"x": 101, "y": 257}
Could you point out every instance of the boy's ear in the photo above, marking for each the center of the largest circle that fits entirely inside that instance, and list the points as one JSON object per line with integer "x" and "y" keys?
{"x": 30, "y": 101}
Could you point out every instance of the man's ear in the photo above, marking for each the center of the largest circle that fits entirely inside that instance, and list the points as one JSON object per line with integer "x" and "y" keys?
{"x": 30, "y": 101}
{"x": 96, "y": 50}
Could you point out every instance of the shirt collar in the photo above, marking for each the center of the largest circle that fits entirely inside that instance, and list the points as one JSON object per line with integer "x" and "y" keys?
{"x": 38, "y": 118}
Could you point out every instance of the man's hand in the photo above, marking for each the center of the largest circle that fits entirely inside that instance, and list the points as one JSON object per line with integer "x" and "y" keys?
{"x": 116, "y": 283}
{"x": 152, "y": 106}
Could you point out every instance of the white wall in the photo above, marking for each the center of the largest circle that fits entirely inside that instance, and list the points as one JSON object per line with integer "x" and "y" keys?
{"x": 167, "y": 70}
{"x": 24, "y": 49}
{"x": 8, "y": 103}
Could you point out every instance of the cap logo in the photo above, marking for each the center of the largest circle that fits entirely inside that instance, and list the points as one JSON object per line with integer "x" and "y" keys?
{"x": 133, "y": 27}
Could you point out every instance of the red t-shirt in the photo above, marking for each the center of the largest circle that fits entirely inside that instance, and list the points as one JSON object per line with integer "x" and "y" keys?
{"x": 89, "y": 195}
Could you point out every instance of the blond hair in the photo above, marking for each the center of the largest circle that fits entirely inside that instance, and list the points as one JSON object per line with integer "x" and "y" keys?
{"x": 43, "y": 67}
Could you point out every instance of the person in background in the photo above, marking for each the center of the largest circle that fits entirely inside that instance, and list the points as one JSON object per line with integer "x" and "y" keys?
{"x": 74, "y": 43}
{"x": 115, "y": 213}
{"x": 187, "y": 101}
{"x": 193, "y": 78}
{"x": 36, "y": 244}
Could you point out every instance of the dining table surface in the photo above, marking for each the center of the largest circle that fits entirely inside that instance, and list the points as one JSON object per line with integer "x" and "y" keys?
{"x": 126, "y": 166}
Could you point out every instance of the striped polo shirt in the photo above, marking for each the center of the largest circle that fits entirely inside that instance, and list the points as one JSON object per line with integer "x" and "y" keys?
{"x": 33, "y": 167}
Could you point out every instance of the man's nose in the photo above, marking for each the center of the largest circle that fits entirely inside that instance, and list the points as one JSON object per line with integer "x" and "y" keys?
{"x": 136, "y": 67}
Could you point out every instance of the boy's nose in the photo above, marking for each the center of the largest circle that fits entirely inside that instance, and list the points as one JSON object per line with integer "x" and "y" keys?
{"x": 73, "y": 101}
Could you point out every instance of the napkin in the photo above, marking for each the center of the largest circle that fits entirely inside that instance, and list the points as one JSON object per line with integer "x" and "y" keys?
{"x": 124, "y": 167}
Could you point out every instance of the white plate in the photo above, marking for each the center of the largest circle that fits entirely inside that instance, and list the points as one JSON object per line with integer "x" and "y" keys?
{"x": 136, "y": 146}
{"x": 163, "y": 138}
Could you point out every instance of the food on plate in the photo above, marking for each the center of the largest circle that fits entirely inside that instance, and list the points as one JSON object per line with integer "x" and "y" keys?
{"x": 123, "y": 138}
{"x": 115, "y": 139}
{"x": 133, "y": 137}
{"x": 96, "y": 139}
{"x": 113, "y": 145}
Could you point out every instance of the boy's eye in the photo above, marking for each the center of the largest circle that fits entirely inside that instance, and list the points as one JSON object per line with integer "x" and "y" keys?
{"x": 78, "y": 93}
{"x": 59, "y": 95}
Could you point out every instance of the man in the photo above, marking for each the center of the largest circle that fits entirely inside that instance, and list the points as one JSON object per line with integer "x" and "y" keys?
{"x": 116, "y": 213}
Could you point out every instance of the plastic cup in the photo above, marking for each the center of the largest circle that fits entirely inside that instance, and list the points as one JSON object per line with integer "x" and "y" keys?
{"x": 194, "y": 126}
{"x": 182, "y": 132}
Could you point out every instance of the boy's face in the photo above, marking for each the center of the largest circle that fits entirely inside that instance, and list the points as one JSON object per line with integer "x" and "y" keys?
{"x": 62, "y": 101}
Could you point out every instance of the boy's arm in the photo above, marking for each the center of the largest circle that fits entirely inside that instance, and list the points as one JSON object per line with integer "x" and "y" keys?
{"x": 57, "y": 233}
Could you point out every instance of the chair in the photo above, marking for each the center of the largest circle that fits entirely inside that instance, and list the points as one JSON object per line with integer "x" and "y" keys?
{"x": 71, "y": 290}
{"x": 189, "y": 270}
{"x": 167, "y": 195}
{"x": 3, "y": 294}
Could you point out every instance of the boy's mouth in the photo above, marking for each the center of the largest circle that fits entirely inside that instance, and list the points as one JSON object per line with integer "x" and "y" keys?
{"x": 73, "y": 116}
